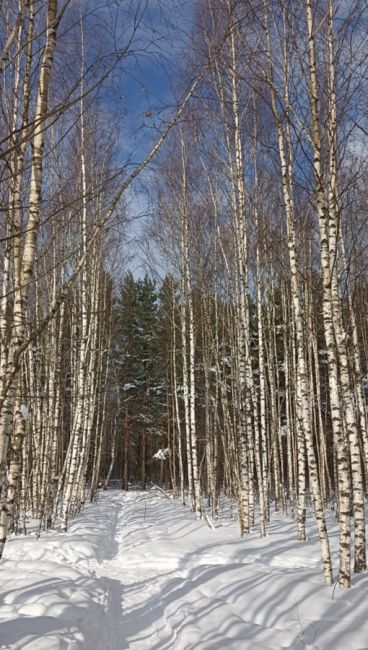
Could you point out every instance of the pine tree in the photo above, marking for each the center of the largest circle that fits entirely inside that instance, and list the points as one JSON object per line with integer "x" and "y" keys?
{"x": 142, "y": 375}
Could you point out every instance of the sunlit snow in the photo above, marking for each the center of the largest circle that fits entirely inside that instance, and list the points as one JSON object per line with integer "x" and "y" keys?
{"x": 139, "y": 571}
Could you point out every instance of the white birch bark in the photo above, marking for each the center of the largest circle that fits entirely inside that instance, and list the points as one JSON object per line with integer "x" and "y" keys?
{"x": 328, "y": 316}
{"x": 360, "y": 560}
{"x": 176, "y": 399}
{"x": 303, "y": 411}
{"x": 7, "y": 385}
{"x": 189, "y": 385}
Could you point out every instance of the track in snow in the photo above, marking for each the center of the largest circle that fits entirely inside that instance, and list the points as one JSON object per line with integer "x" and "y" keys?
{"x": 185, "y": 586}
{"x": 148, "y": 576}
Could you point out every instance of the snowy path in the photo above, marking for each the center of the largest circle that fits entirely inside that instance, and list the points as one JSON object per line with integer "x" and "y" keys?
{"x": 139, "y": 571}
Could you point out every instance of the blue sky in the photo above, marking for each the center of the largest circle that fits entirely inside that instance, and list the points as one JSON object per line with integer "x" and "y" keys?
{"x": 141, "y": 94}
{"x": 148, "y": 81}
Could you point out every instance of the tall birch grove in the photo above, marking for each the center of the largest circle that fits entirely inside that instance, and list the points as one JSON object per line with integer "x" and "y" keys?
{"x": 236, "y": 366}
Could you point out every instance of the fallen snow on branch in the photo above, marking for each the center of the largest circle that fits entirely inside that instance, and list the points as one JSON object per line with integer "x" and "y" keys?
{"x": 162, "y": 454}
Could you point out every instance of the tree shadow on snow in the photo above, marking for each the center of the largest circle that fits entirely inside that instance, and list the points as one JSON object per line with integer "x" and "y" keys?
{"x": 215, "y": 606}
{"x": 67, "y": 612}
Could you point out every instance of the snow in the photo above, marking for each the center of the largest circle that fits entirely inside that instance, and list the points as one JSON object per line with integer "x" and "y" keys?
{"x": 162, "y": 454}
{"x": 139, "y": 571}
{"x": 24, "y": 411}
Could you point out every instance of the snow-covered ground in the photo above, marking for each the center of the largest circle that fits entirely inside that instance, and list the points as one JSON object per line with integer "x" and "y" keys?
{"x": 139, "y": 571}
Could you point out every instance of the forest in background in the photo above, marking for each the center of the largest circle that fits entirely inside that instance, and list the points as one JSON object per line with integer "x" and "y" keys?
{"x": 244, "y": 368}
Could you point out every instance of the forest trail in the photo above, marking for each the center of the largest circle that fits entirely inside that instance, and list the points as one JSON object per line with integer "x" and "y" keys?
{"x": 139, "y": 571}
{"x": 181, "y": 583}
